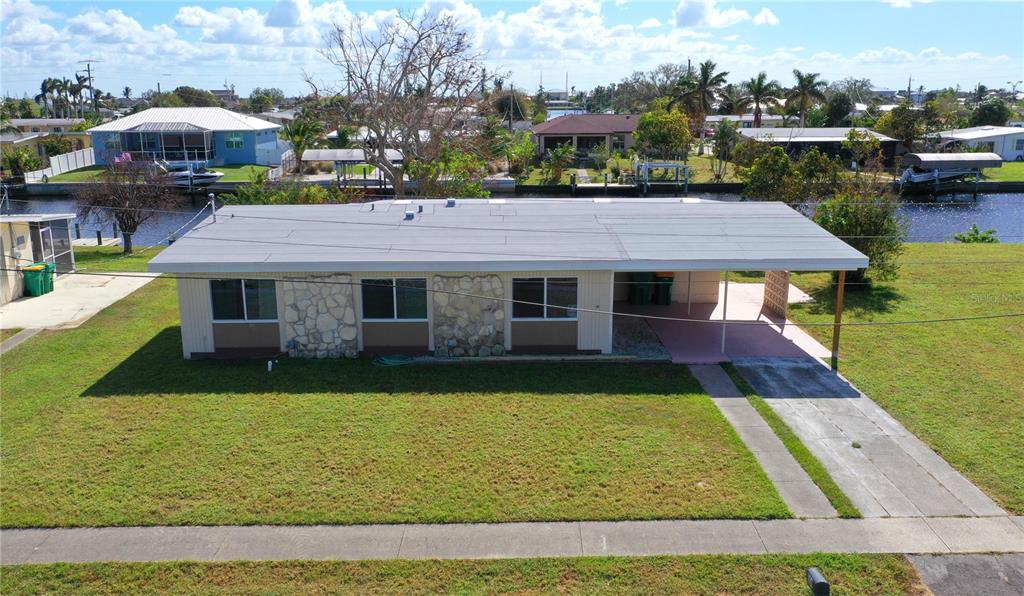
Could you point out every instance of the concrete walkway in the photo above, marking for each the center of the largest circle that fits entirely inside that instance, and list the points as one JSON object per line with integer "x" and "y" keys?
{"x": 514, "y": 540}
{"x": 803, "y": 497}
{"x": 955, "y": 575}
{"x": 882, "y": 467}
{"x": 74, "y": 300}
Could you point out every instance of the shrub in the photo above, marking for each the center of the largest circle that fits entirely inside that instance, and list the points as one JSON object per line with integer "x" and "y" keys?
{"x": 869, "y": 222}
{"x": 976, "y": 236}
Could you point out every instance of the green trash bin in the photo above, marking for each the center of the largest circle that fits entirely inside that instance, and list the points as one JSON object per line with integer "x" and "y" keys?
{"x": 35, "y": 279}
{"x": 663, "y": 288}
{"x": 48, "y": 276}
{"x": 641, "y": 288}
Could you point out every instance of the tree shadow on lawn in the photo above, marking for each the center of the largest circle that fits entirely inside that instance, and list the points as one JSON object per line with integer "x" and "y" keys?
{"x": 159, "y": 368}
{"x": 857, "y": 300}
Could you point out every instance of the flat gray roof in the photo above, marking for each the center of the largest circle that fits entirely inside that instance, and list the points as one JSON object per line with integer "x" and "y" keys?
{"x": 34, "y": 217}
{"x": 805, "y": 135}
{"x": 509, "y": 235}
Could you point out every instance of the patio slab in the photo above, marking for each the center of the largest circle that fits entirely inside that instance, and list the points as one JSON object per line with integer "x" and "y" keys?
{"x": 73, "y": 301}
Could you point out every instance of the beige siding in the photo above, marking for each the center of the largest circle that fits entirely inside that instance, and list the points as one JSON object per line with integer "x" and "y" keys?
{"x": 703, "y": 286}
{"x": 197, "y": 313}
{"x": 15, "y": 256}
{"x": 594, "y": 331}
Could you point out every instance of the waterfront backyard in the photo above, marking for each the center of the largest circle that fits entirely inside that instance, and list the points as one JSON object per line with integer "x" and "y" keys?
{"x": 232, "y": 173}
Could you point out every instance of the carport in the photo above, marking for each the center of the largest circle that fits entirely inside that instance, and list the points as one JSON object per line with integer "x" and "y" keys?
{"x": 707, "y": 317}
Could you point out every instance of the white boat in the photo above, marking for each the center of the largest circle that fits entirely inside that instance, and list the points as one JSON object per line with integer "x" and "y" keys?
{"x": 935, "y": 168}
{"x": 189, "y": 176}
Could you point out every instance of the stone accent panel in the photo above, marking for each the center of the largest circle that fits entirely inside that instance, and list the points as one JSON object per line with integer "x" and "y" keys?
{"x": 320, "y": 319}
{"x": 776, "y": 292}
{"x": 464, "y": 325}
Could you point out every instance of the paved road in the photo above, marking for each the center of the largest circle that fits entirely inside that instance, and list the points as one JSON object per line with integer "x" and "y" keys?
{"x": 955, "y": 575}
{"x": 513, "y": 540}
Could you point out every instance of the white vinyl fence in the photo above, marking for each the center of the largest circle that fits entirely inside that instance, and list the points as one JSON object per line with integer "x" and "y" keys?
{"x": 287, "y": 165}
{"x": 65, "y": 162}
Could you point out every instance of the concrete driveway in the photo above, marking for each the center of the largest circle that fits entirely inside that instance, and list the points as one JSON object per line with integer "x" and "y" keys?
{"x": 74, "y": 300}
{"x": 884, "y": 469}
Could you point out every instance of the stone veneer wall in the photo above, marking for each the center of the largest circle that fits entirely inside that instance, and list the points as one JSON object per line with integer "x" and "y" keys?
{"x": 320, "y": 319}
{"x": 467, "y": 326}
{"x": 776, "y": 292}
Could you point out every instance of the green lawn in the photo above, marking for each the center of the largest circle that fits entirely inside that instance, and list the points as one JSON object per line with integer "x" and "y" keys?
{"x": 112, "y": 258}
{"x": 814, "y": 468}
{"x": 6, "y": 334}
{"x": 957, "y": 386}
{"x": 1011, "y": 171}
{"x": 126, "y": 432}
{"x": 233, "y": 173}
{"x": 698, "y": 574}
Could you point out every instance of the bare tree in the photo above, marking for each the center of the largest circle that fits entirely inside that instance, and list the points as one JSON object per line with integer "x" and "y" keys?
{"x": 130, "y": 194}
{"x": 414, "y": 81}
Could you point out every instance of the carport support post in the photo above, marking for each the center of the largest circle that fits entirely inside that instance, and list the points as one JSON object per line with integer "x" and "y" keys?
{"x": 838, "y": 323}
{"x": 725, "y": 307}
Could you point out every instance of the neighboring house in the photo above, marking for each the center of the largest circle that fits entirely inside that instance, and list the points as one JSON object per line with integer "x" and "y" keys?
{"x": 553, "y": 113}
{"x": 227, "y": 96}
{"x": 587, "y": 131}
{"x": 281, "y": 117}
{"x": 213, "y": 136}
{"x": 12, "y": 141}
{"x": 827, "y": 140}
{"x": 1006, "y": 141}
{"x": 747, "y": 120}
{"x": 33, "y": 130}
{"x": 33, "y": 238}
{"x": 466, "y": 277}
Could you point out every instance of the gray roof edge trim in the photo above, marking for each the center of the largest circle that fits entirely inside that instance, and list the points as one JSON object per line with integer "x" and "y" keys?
{"x": 830, "y": 264}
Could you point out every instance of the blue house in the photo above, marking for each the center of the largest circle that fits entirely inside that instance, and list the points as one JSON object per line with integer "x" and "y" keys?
{"x": 206, "y": 136}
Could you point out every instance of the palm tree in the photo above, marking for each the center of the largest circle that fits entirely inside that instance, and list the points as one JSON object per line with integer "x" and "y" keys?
{"x": 707, "y": 83}
{"x": 81, "y": 84}
{"x": 808, "y": 90}
{"x": 761, "y": 90}
{"x": 684, "y": 92}
{"x": 302, "y": 134}
{"x": 733, "y": 100}
{"x": 126, "y": 92}
{"x": 45, "y": 88}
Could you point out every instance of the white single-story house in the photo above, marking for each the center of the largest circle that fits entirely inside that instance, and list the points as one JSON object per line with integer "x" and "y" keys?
{"x": 467, "y": 277}
{"x": 828, "y": 140}
{"x": 27, "y": 238}
{"x": 745, "y": 120}
{"x": 210, "y": 136}
{"x": 1006, "y": 141}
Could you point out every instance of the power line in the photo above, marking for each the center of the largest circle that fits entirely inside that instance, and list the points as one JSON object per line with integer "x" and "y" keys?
{"x": 541, "y": 304}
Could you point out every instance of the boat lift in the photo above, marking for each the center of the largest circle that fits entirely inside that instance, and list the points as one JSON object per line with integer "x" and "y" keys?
{"x": 929, "y": 171}
{"x": 642, "y": 174}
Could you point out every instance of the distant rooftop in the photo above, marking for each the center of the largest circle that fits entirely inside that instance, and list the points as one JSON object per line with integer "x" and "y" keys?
{"x": 805, "y": 135}
{"x": 46, "y": 121}
{"x": 588, "y": 124}
{"x": 980, "y": 132}
{"x": 185, "y": 119}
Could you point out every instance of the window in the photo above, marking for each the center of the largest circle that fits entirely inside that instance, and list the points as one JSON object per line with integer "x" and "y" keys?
{"x": 395, "y": 299}
{"x": 1019, "y": 145}
{"x": 234, "y": 140}
{"x": 243, "y": 299}
{"x": 544, "y": 298}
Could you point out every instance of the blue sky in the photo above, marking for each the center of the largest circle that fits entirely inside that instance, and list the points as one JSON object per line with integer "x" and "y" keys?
{"x": 269, "y": 43}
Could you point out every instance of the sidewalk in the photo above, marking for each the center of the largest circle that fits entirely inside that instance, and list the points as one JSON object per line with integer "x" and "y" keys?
{"x": 512, "y": 540}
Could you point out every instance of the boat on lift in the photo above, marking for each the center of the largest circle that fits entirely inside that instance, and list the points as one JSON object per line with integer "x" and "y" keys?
{"x": 936, "y": 168}
{"x": 188, "y": 175}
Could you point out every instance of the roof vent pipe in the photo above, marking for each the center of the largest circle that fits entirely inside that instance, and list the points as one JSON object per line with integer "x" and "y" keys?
{"x": 371, "y": 206}
{"x": 449, "y": 203}
{"x": 410, "y": 214}
{"x": 420, "y": 209}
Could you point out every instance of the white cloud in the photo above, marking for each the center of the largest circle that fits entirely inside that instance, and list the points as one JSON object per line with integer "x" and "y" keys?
{"x": 905, "y": 3}
{"x": 766, "y": 17}
{"x": 743, "y": 48}
{"x": 651, "y": 23}
{"x": 732, "y": 37}
{"x": 13, "y": 9}
{"x": 29, "y": 31}
{"x": 229, "y": 25}
{"x": 705, "y": 13}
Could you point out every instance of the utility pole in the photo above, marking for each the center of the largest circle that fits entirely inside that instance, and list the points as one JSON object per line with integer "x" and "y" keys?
{"x": 512, "y": 103}
{"x": 92, "y": 87}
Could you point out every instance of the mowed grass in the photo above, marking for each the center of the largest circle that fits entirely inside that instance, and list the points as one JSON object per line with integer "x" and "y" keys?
{"x": 232, "y": 173}
{"x": 6, "y": 334}
{"x": 958, "y": 386}
{"x": 699, "y": 574}
{"x": 1010, "y": 171}
{"x": 112, "y": 258}
{"x": 106, "y": 424}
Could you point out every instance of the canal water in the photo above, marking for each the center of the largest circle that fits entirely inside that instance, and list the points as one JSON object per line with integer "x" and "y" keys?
{"x": 928, "y": 221}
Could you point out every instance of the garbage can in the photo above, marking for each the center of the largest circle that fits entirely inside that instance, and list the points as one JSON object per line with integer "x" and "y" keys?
{"x": 663, "y": 287}
{"x": 35, "y": 279}
{"x": 641, "y": 288}
{"x": 48, "y": 275}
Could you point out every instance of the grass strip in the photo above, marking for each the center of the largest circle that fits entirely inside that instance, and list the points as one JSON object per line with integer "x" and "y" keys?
{"x": 695, "y": 574}
{"x": 814, "y": 468}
